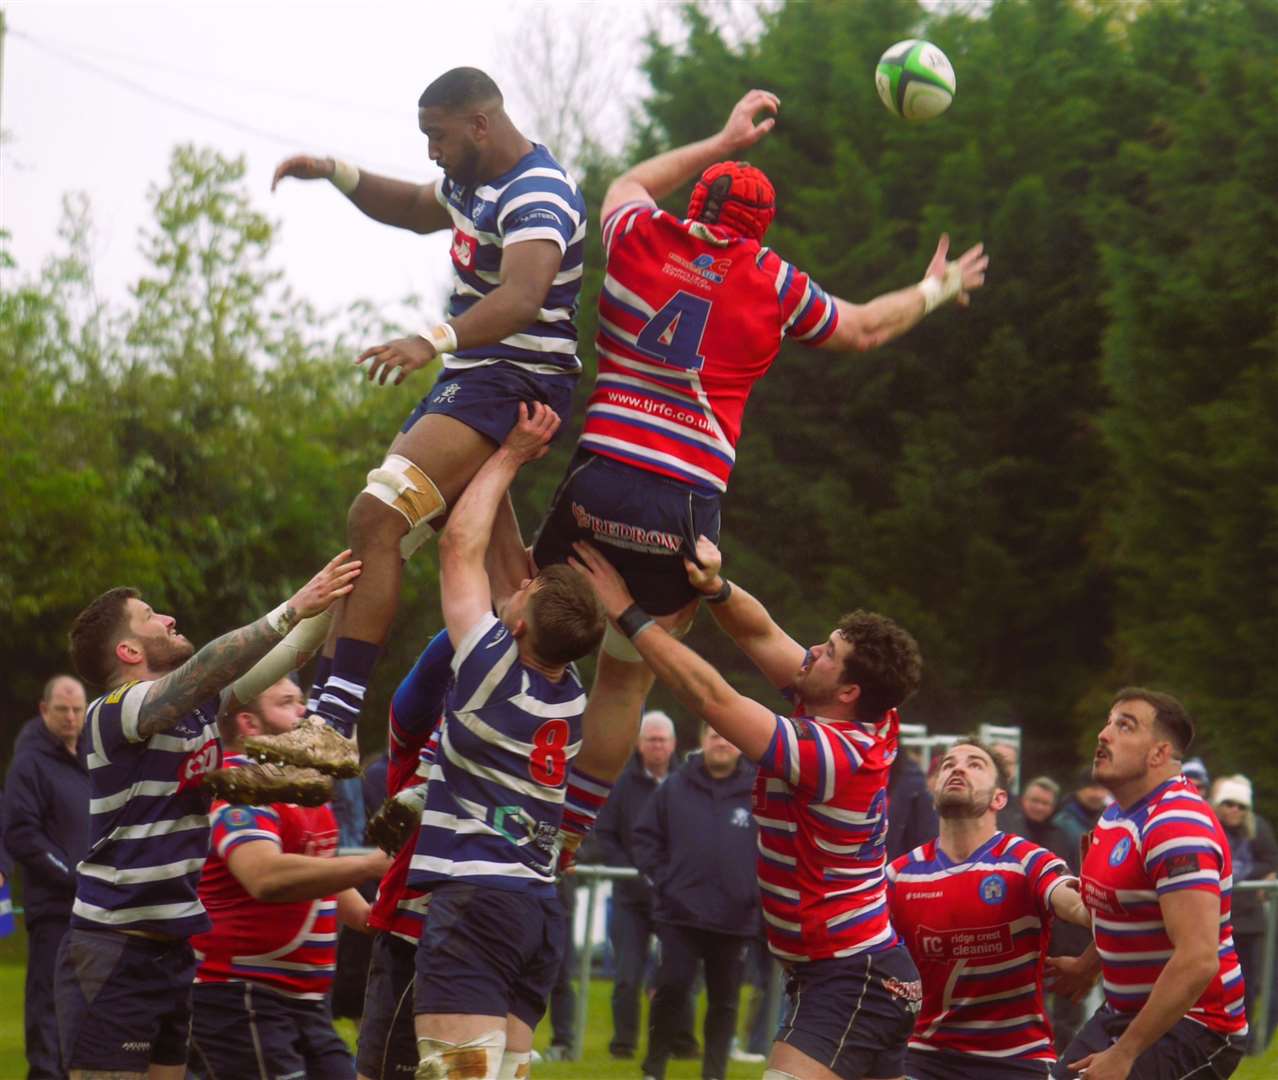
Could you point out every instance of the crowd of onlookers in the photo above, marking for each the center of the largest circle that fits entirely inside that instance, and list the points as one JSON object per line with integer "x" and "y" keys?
{"x": 689, "y": 919}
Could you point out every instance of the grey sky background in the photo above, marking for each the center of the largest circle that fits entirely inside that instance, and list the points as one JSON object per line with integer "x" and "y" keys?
{"x": 96, "y": 95}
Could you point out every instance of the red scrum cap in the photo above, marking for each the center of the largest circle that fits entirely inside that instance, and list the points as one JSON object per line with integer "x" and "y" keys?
{"x": 735, "y": 195}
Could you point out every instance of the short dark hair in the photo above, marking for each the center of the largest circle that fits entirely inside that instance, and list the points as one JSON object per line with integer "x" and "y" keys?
{"x": 1002, "y": 774}
{"x": 885, "y": 662}
{"x": 566, "y": 618}
{"x": 460, "y": 88}
{"x": 1170, "y": 716}
{"x": 96, "y": 631}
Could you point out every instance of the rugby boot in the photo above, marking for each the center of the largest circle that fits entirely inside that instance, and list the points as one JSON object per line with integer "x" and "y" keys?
{"x": 396, "y": 820}
{"x": 254, "y": 784}
{"x": 313, "y": 744}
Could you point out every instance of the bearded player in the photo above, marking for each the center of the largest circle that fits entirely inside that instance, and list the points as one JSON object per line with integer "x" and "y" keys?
{"x": 974, "y": 907}
{"x": 692, "y": 314}
{"x": 1157, "y": 876}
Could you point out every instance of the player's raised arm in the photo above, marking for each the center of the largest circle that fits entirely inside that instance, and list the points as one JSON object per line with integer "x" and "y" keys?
{"x": 658, "y": 176}
{"x": 400, "y": 203}
{"x": 465, "y": 591}
{"x": 743, "y": 618}
{"x": 867, "y": 326}
{"x": 745, "y": 723}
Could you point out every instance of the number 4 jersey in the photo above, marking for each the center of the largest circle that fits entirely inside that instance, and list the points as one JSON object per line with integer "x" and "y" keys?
{"x": 690, "y": 318}
{"x": 496, "y": 794}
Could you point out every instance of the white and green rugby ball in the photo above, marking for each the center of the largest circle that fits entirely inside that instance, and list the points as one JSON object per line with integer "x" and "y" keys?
{"x": 915, "y": 80}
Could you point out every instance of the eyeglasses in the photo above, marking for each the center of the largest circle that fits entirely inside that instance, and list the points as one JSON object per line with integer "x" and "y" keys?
{"x": 1229, "y": 804}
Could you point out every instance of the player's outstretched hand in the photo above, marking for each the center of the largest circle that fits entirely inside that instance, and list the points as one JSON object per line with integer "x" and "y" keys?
{"x": 303, "y": 167}
{"x": 1069, "y": 976}
{"x": 741, "y": 130}
{"x": 530, "y": 438}
{"x": 703, "y": 572}
{"x": 969, "y": 268}
{"x": 403, "y": 356}
{"x": 591, "y": 564}
{"x": 335, "y": 580}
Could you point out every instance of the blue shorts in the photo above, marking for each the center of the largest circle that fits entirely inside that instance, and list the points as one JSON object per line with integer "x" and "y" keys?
{"x": 240, "y": 1029}
{"x": 489, "y": 952}
{"x": 123, "y": 1002}
{"x": 487, "y": 398}
{"x": 1187, "y": 1049}
{"x": 387, "y": 1041}
{"x": 950, "y": 1065}
{"x": 643, "y": 522}
{"x": 853, "y": 1014}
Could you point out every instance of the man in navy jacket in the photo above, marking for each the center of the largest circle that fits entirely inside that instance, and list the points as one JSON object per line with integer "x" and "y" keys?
{"x": 695, "y": 842}
{"x": 46, "y": 829}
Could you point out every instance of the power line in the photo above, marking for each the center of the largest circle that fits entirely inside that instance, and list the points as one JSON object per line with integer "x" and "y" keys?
{"x": 287, "y": 141}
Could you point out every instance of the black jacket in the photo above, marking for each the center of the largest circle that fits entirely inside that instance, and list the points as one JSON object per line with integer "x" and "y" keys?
{"x": 696, "y": 842}
{"x": 1253, "y": 858}
{"x": 46, "y": 820}
{"x": 911, "y": 815}
{"x": 613, "y": 837}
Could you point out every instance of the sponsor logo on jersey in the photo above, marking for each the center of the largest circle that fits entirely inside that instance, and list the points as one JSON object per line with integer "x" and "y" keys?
{"x": 704, "y": 267}
{"x": 967, "y": 944}
{"x": 464, "y": 249}
{"x": 910, "y": 992}
{"x": 993, "y": 888}
{"x": 623, "y": 534}
{"x": 1179, "y": 865}
{"x": 198, "y": 763}
{"x": 1121, "y": 851}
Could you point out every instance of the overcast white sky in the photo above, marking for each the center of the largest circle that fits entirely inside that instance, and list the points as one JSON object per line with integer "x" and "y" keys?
{"x": 95, "y": 95}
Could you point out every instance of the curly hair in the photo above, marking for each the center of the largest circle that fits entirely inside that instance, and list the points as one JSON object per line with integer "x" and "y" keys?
{"x": 884, "y": 662}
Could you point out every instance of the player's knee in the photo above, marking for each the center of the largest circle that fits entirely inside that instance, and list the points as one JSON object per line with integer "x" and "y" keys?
{"x": 479, "y": 1058}
{"x": 401, "y": 485}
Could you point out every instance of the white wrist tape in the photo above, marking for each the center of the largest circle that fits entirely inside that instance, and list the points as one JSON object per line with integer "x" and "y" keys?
{"x": 345, "y": 176}
{"x": 938, "y": 291}
{"x": 443, "y": 337}
{"x": 278, "y": 619}
{"x": 298, "y": 646}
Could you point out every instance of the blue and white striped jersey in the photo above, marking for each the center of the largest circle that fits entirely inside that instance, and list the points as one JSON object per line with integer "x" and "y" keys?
{"x": 148, "y": 818}
{"x": 536, "y": 200}
{"x": 496, "y": 794}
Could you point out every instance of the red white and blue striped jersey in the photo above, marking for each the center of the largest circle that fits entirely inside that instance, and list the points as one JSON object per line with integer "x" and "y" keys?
{"x": 820, "y": 801}
{"x": 535, "y": 200}
{"x": 495, "y": 794}
{"x": 289, "y": 947}
{"x": 690, "y": 318}
{"x": 1169, "y": 840}
{"x": 978, "y": 931}
{"x": 148, "y": 818}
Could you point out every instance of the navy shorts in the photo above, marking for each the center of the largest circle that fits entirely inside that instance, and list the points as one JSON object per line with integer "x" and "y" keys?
{"x": 644, "y": 523}
{"x": 950, "y": 1065}
{"x": 123, "y": 1002}
{"x": 487, "y": 398}
{"x": 1187, "y": 1049}
{"x": 240, "y": 1029}
{"x": 853, "y": 1014}
{"x": 489, "y": 952}
{"x": 387, "y": 1041}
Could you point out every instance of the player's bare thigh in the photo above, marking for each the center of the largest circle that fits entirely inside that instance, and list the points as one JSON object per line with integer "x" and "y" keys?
{"x": 786, "y": 1059}
{"x": 446, "y": 450}
{"x": 155, "y": 1072}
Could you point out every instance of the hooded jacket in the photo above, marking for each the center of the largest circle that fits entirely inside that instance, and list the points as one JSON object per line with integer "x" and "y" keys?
{"x": 696, "y": 843}
{"x": 46, "y": 820}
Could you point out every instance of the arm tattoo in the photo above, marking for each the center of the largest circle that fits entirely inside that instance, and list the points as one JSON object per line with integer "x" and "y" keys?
{"x": 215, "y": 666}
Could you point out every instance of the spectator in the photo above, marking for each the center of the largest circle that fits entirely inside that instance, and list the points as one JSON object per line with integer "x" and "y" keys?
{"x": 1037, "y": 808}
{"x": 630, "y": 929}
{"x": 46, "y": 815}
{"x": 911, "y": 815}
{"x": 1079, "y": 812}
{"x": 1196, "y": 773}
{"x": 1255, "y": 856}
{"x": 563, "y": 997}
{"x": 696, "y": 843}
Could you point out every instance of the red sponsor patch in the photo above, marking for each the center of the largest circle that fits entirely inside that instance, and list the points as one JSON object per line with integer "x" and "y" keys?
{"x": 968, "y": 944}
{"x": 199, "y": 762}
{"x": 1180, "y": 865}
{"x": 464, "y": 249}
{"x": 1098, "y": 897}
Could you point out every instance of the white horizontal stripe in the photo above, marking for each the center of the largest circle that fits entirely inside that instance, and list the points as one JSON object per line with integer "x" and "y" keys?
{"x": 1136, "y": 896}
{"x": 846, "y": 817}
{"x": 142, "y": 788}
{"x": 776, "y": 823}
{"x": 628, "y": 297}
{"x": 1169, "y": 883}
{"x": 452, "y": 363}
{"x": 1114, "y": 924}
{"x": 529, "y": 197}
{"x": 861, "y": 946}
{"x": 1009, "y": 1051}
{"x": 243, "y": 835}
{"x": 174, "y": 745}
{"x": 1182, "y": 843}
{"x": 978, "y": 968}
{"x": 475, "y": 868}
{"x": 565, "y": 346}
{"x": 783, "y": 924}
{"x": 991, "y": 1025}
{"x": 540, "y": 232}
{"x": 1000, "y": 995}
{"x": 648, "y": 454}
{"x": 545, "y": 710}
{"x": 124, "y": 916}
{"x": 513, "y": 783}
{"x": 1150, "y": 954}
{"x": 1012, "y": 868}
{"x": 1128, "y": 988}
{"x": 461, "y": 826}
{"x": 139, "y": 874}
{"x": 846, "y": 916}
{"x": 685, "y": 431}
{"x": 152, "y": 829}
{"x": 779, "y": 890}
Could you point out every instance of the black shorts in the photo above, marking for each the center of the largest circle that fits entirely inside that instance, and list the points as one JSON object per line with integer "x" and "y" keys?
{"x": 853, "y": 1014}
{"x": 123, "y": 1002}
{"x": 644, "y": 523}
{"x": 1187, "y": 1049}
{"x": 489, "y": 952}
{"x": 487, "y": 398}
{"x": 243, "y": 1030}
{"x": 950, "y": 1065}
{"x": 387, "y": 1041}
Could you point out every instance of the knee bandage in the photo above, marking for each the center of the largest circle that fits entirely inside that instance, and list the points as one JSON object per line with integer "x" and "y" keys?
{"x": 479, "y": 1058}
{"x": 515, "y": 1066}
{"x": 402, "y": 486}
{"x": 777, "y": 1074}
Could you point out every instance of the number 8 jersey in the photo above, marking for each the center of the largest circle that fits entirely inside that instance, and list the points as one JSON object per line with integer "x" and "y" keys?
{"x": 496, "y": 794}
{"x": 691, "y": 316}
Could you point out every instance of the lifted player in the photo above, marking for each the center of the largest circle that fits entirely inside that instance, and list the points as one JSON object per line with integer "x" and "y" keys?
{"x": 692, "y": 314}
{"x": 974, "y": 907}
{"x": 518, "y": 224}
